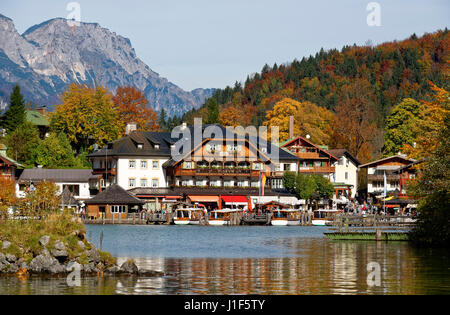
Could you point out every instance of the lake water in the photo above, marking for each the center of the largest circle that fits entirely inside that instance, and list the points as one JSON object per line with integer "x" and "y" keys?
{"x": 252, "y": 260}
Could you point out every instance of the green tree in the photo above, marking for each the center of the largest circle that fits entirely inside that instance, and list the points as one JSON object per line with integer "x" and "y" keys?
{"x": 324, "y": 189}
{"x": 432, "y": 187}
{"x": 289, "y": 181}
{"x": 54, "y": 152}
{"x": 305, "y": 186}
{"x": 22, "y": 142}
{"x": 400, "y": 126}
{"x": 212, "y": 111}
{"x": 162, "y": 120}
{"x": 15, "y": 115}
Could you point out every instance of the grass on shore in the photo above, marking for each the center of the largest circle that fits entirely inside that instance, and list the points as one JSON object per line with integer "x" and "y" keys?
{"x": 24, "y": 236}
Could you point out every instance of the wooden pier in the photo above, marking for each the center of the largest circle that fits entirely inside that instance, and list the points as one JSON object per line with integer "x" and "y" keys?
{"x": 371, "y": 227}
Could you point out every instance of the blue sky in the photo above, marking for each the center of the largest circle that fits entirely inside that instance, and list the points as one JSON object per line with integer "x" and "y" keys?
{"x": 213, "y": 43}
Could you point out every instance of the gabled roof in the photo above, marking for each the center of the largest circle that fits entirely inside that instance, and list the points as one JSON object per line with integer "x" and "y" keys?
{"x": 381, "y": 161}
{"x": 36, "y": 118}
{"x": 7, "y": 160}
{"x": 56, "y": 175}
{"x": 153, "y": 144}
{"x": 289, "y": 141}
{"x": 341, "y": 152}
{"x": 115, "y": 195}
{"x": 159, "y": 144}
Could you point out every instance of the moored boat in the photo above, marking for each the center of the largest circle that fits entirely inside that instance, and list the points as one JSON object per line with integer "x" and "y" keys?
{"x": 185, "y": 216}
{"x": 284, "y": 217}
{"x": 221, "y": 216}
{"x": 324, "y": 216}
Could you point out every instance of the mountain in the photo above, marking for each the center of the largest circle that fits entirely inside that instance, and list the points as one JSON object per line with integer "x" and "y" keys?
{"x": 392, "y": 70}
{"x": 47, "y": 57}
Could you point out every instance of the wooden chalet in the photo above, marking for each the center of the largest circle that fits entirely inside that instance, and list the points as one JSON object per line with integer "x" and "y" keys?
{"x": 312, "y": 158}
{"x": 113, "y": 202}
{"x": 389, "y": 166}
{"x": 8, "y": 167}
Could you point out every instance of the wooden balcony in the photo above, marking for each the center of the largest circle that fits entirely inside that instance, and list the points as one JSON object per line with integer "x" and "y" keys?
{"x": 381, "y": 177}
{"x": 316, "y": 169}
{"x": 101, "y": 171}
{"x": 211, "y": 171}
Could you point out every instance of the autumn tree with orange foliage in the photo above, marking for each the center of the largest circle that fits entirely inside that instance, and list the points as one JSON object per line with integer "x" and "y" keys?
{"x": 429, "y": 124}
{"x": 308, "y": 119}
{"x": 230, "y": 116}
{"x": 7, "y": 195}
{"x": 133, "y": 107}
{"x": 354, "y": 126}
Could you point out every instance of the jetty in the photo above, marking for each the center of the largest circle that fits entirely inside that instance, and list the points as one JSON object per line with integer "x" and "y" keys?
{"x": 370, "y": 227}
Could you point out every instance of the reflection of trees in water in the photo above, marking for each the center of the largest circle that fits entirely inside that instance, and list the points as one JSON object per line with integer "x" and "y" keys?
{"x": 318, "y": 266}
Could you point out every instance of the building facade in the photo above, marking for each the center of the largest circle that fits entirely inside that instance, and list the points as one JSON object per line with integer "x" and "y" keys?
{"x": 378, "y": 170}
{"x": 345, "y": 176}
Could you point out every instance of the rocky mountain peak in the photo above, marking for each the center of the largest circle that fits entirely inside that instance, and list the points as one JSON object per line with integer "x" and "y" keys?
{"x": 51, "y": 55}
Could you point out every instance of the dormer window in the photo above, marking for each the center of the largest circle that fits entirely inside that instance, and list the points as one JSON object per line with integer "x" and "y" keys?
{"x": 157, "y": 146}
{"x": 139, "y": 146}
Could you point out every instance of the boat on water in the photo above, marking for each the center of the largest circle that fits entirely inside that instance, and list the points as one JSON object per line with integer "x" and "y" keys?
{"x": 284, "y": 217}
{"x": 185, "y": 216}
{"x": 324, "y": 216}
{"x": 221, "y": 216}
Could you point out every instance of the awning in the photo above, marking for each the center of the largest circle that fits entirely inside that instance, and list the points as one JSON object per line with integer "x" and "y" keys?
{"x": 235, "y": 199}
{"x": 392, "y": 206}
{"x": 204, "y": 198}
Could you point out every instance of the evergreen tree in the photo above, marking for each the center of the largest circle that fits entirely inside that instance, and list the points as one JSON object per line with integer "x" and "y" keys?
{"x": 162, "y": 120}
{"x": 212, "y": 111}
{"x": 21, "y": 143}
{"x": 15, "y": 115}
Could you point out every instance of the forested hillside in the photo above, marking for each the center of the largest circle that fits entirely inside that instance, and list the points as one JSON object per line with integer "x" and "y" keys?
{"x": 363, "y": 79}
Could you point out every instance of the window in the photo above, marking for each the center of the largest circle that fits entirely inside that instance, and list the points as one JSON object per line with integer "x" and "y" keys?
{"x": 242, "y": 183}
{"x": 257, "y": 166}
{"x": 74, "y": 189}
{"x": 139, "y": 146}
{"x": 317, "y": 164}
{"x": 155, "y": 182}
{"x": 277, "y": 183}
{"x": 341, "y": 161}
{"x": 132, "y": 164}
{"x": 188, "y": 165}
{"x": 155, "y": 165}
{"x": 118, "y": 209}
{"x": 143, "y": 182}
{"x": 143, "y": 163}
{"x": 346, "y": 175}
{"x": 131, "y": 182}
{"x": 287, "y": 167}
{"x": 157, "y": 146}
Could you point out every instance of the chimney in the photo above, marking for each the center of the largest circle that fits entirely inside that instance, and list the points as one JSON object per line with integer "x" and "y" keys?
{"x": 291, "y": 127}
{"x": 42, "y": 110}
{"x": 130, "y": 128}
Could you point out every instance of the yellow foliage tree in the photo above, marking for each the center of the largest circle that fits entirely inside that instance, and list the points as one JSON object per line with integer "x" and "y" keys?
{"x": 429, "y": 124}
{"x": 308, "y": 119}
{"x": 87, "y": 115}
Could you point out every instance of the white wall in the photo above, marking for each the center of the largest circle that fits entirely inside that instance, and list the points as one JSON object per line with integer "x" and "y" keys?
{"x": 124, "y": 172}
{"x": 83, "y": 190}
{"x": 352, "y": 171}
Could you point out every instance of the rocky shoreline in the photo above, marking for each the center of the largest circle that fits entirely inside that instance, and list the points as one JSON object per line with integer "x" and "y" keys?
{"x": 57, "y": 258}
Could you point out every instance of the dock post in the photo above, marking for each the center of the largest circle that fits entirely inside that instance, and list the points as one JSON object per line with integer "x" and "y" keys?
{"x": 378, "y": 235}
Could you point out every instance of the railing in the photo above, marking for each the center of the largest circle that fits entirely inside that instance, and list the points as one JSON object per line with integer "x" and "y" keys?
{"x": 373, "y": 221}
{"x": 381, "y": 177}
{"x": 219, "y": 171}
{"x": 316, "y": 169}
{"x": 98, "y": 171}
